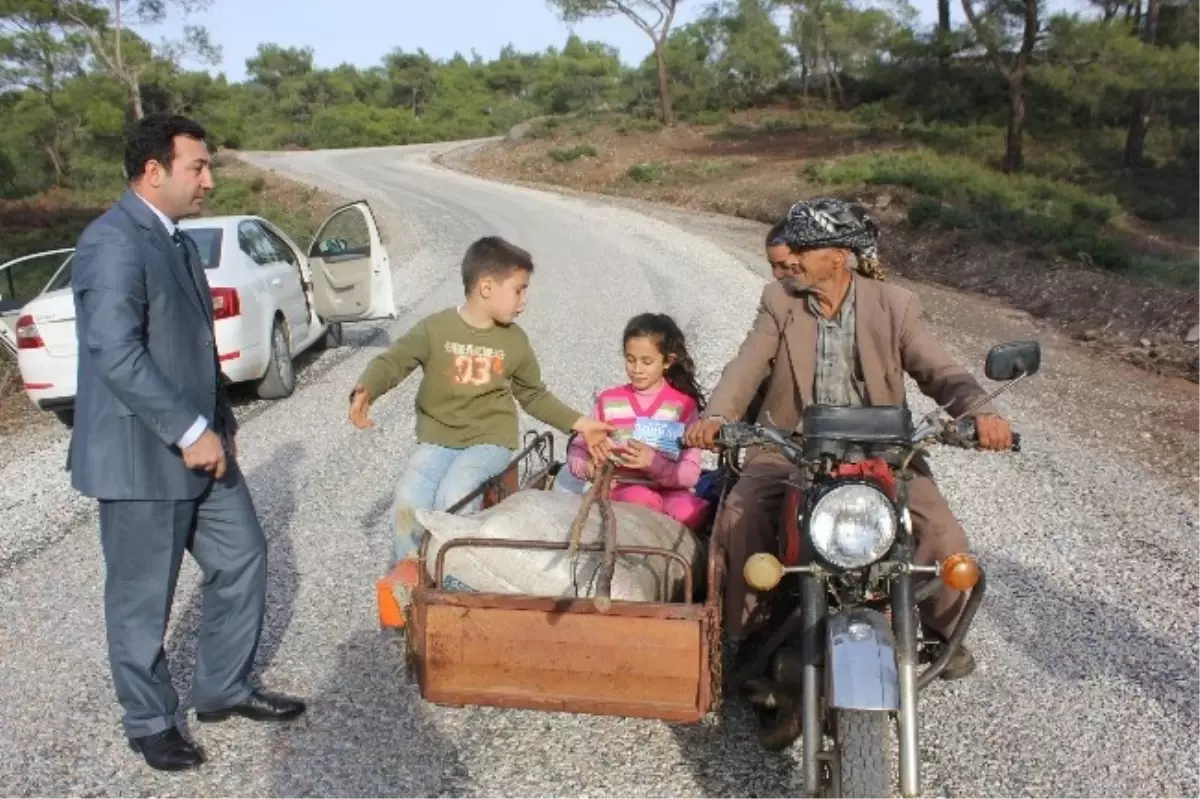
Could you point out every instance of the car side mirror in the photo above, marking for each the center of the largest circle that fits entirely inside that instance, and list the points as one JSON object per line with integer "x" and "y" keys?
{"x": 1012, "y": 360}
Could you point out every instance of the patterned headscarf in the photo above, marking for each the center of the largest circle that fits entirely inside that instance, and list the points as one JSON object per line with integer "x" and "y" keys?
{"x": 829, "y": 222}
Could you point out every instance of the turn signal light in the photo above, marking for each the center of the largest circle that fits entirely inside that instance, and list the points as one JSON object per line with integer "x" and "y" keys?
{"x": 762, "y": 571}
{"x": 226, "y": 303}
{"x": 28, "y": 337}
{"x": 960, "y": 572}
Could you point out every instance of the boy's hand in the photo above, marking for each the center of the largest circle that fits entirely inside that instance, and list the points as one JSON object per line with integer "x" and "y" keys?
{"x": 359, "y": 404}
{"x": 595, "y": 435}
{"x": 637, "y": 455}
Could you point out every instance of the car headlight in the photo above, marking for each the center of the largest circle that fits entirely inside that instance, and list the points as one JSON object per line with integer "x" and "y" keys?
{"x": 852, "y": 526}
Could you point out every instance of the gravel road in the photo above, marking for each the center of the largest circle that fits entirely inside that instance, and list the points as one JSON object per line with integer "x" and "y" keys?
{"x": 1087, "y": 644}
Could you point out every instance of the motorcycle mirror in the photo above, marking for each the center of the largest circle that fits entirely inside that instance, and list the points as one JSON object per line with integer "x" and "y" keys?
{"x": 762, "y": 571}
{"x": 1012, "y": 360}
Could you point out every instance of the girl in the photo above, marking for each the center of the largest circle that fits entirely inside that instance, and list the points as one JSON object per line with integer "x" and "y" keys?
{"x": 662, "y": 386}
{"x": 783, "y": 262}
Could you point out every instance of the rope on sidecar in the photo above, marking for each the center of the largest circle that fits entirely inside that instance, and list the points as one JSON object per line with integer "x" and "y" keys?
{"x": 598, "y": 494}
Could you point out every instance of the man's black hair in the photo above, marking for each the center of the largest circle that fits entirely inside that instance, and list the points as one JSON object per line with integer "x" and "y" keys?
{"x": 152, "y": 138}
{"x": 492, "y": 256}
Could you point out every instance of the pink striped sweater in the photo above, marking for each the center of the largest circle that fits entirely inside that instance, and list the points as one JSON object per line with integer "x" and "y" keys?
{"x": 621, "y": 406}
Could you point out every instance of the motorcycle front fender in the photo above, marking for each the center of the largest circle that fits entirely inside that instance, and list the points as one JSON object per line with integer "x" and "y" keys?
{"x": 860, "y": 661}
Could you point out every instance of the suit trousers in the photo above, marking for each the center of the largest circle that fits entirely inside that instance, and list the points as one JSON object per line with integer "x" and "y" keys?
{"x": 749, "y": 522}
{"x": 143, "y": 544}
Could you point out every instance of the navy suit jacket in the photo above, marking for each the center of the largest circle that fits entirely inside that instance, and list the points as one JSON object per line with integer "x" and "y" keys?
{"x": 147, "y": 359}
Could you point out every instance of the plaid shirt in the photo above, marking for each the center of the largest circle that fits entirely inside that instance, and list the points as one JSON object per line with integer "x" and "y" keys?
{"x": 835, "y": 381}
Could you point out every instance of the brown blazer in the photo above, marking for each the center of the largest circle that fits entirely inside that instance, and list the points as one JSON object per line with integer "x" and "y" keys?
{"x": 891, "y": 340}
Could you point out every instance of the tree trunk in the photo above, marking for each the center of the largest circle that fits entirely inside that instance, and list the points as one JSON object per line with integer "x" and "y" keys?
{"x": 135, "y": 93}
{"x": 828, "y": 82}
{"x": 943, "y": 31}
{"x": 1014, "y": 157}
{"x": 664, "y": 89}
{"x": 833, "y": 77}
{"x": 1139, "y": 125}
{"x": 59, "y": 173}
{"x": 1142, "y": 111}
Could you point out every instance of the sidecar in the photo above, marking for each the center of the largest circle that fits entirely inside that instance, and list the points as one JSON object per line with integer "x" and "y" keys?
{"x": 659, "y": 660}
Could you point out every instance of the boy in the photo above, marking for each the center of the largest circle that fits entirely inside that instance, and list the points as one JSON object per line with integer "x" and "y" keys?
{"x": 474, "y": 361}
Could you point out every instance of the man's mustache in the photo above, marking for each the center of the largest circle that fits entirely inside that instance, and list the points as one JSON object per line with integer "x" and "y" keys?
{"x": 798, "y": 287}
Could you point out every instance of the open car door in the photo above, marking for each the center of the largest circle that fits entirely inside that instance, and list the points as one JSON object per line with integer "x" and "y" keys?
{"x": 24, "y": 278}
{"x": 351, "y": 273}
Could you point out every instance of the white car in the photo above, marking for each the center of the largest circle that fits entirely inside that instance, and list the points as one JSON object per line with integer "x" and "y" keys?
{"x": 270, "y": 301}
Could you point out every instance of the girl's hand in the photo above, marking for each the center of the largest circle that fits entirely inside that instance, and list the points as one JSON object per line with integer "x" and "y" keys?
{"x": 589, "y": 470}
{"x": 637, "y": 455}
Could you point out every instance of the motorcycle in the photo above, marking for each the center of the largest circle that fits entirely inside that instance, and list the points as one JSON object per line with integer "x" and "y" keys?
{"x": 837, "y": 658}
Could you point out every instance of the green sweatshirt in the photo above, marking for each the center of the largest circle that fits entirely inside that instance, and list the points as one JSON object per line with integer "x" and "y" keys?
{"x": 469, "y": 379}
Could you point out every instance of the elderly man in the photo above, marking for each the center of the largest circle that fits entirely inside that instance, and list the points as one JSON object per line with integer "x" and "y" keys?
{"x": 835, "y": 335}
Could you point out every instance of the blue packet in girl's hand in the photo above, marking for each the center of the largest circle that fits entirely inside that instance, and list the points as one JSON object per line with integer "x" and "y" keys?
{"x": 661, "y": 435}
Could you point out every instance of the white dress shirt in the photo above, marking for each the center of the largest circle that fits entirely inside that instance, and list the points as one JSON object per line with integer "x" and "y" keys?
{"x": 201, "y": 424}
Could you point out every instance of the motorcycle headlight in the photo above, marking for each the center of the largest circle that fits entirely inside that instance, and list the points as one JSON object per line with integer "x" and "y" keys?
{"x": 852, "y": 526}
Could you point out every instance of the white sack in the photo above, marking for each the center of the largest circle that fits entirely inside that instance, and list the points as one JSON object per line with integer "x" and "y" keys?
{"x": 547, "y": 516}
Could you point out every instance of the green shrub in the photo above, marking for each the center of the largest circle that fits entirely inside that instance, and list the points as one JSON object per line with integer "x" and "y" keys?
{"x": 962, "y": 194}
{"x": 709, "y": 117}
{"x": 564, "y": 154}
{"x": 647, "y": 172}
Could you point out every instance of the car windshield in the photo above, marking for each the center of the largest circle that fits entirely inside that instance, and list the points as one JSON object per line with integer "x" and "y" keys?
{"x": 62, "y": 278}
{"x": 208, "y": 241}
{"x": 24, "y": 278}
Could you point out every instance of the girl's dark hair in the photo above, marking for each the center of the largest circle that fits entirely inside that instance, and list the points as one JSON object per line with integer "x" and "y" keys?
{"x": 666, "y": 334}
{"x": 777, "y": 234}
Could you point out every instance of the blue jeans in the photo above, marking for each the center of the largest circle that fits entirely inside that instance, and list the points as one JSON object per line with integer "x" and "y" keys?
{"x": 435, "y": 478}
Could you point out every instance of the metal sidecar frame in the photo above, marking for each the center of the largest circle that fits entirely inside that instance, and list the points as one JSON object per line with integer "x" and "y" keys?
{"x": 658, "y": 660}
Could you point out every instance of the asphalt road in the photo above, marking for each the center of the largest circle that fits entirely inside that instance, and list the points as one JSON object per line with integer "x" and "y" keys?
{"x": 1087, "y": 643}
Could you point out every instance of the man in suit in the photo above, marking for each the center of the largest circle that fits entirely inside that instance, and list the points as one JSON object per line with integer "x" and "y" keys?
{"x": 833, "y": 337}
{"x": 153, "y": 441}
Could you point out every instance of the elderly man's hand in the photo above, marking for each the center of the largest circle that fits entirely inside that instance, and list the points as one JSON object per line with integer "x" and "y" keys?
{"x": 994, "y": 433}
{"x": 702, "y": 434}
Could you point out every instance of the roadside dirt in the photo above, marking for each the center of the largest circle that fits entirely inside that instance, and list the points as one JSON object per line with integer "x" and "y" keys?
{"x": 755, "y": 176}
{"x": 16, "y": 411}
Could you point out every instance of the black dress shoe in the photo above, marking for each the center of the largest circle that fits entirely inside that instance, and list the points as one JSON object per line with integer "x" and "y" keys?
{"x": 258, "y": 706}
{"x": 167, "y": 750}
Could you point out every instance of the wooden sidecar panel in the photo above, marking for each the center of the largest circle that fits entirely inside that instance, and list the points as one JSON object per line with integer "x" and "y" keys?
{"x": 639, "y": 659}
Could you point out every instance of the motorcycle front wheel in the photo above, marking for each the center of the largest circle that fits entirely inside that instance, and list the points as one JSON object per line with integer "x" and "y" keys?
{"x": 864, "y": 753}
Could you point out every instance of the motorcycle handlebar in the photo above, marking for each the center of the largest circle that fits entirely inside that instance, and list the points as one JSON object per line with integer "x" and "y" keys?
{"x": 966, "y": 431}
{"x": 963, "y": 434}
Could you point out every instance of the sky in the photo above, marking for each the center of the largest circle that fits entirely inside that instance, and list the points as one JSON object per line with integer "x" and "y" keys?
{"x": 361, "y": 32}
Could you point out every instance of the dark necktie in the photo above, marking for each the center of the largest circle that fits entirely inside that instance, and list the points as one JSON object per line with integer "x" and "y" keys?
{"x": 185, "y": 253}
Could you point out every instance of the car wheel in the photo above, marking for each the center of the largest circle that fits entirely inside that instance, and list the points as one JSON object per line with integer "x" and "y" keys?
{"x": 67, "y": 417}
{"x": 280, "y": 379}
{"x": 332, "y": 338}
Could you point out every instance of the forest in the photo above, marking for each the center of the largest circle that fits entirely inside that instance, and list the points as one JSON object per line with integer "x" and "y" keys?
{"x": 1063, "y": 124}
